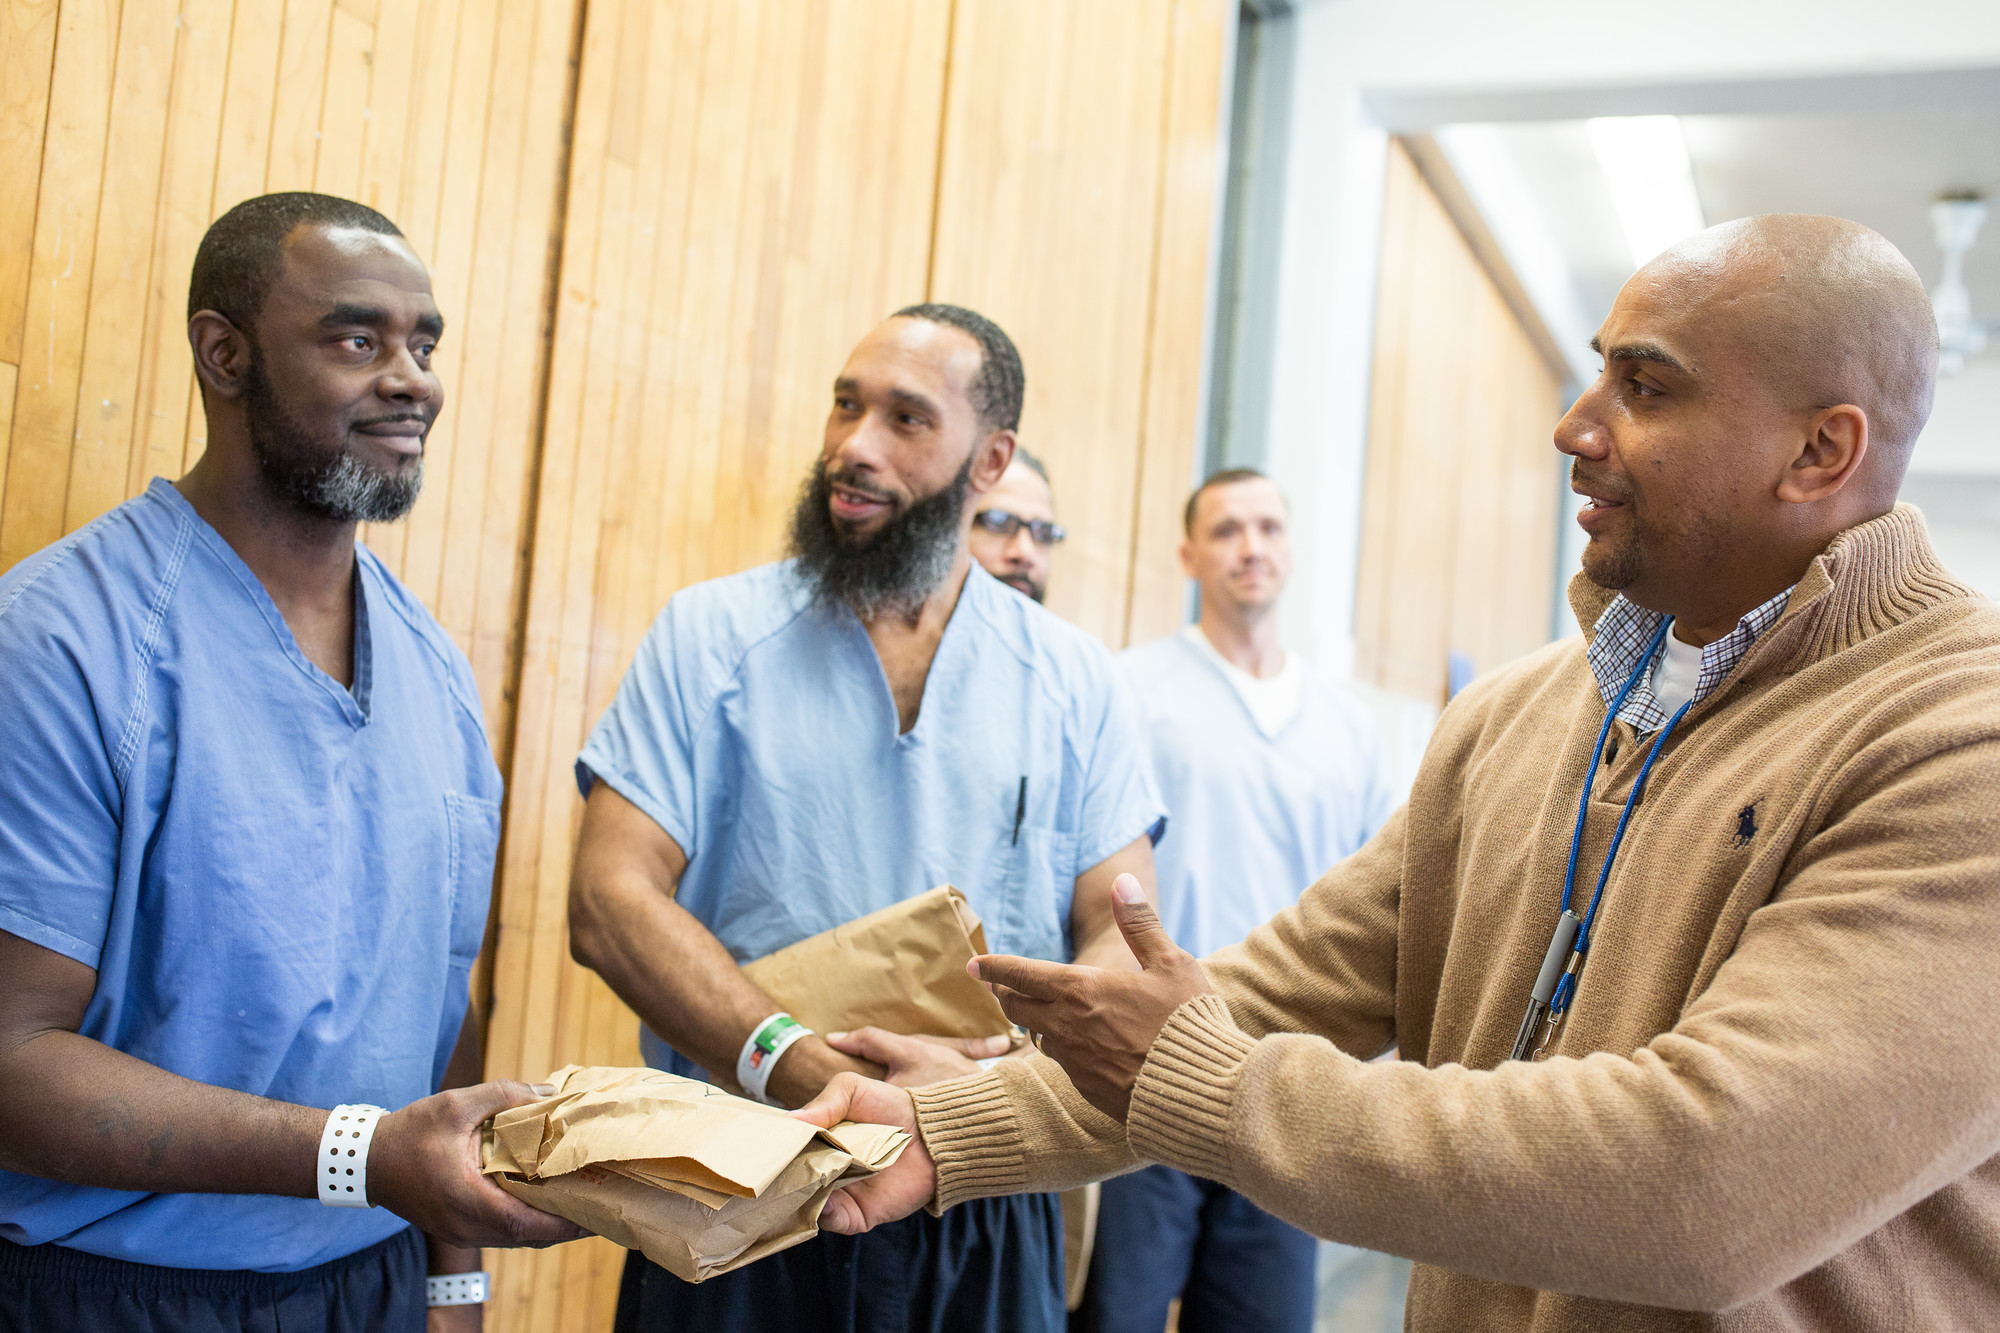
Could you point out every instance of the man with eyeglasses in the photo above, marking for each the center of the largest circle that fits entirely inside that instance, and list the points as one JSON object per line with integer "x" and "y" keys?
{"x": 1014, "y": 533}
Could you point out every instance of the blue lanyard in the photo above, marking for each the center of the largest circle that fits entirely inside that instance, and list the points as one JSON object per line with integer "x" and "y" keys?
{"x": 1555, "y": 987}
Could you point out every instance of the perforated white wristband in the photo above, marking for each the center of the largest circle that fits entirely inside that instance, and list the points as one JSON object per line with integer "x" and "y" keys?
{"x": 457, "y": 1289}
{"x": 343, "y": 1155}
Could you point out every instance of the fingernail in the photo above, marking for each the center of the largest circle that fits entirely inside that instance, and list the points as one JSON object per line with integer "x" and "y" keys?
{"x": 995, "y": 1045}
{"x": 836, "y": 1036}
{"x": 1126, "y": 890}
{"x": 972, "y": 970}
{"x": 542, "y": 1089}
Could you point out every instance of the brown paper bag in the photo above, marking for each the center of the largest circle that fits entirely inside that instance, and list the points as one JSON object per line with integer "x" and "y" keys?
{"x": 700, "y": 1181}
{"x": 902, "y": 969}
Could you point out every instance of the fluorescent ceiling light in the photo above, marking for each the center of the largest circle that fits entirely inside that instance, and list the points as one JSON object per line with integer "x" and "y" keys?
{"x": 1645, "y": 162}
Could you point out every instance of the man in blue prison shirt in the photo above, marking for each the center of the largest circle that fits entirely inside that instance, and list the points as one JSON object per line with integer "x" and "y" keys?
{"x": 807, "y": 742}
{"x": 1273, "y": 776}
{"x": 248, "y": 819}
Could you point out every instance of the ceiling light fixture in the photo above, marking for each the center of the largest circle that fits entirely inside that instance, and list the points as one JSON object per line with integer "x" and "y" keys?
{"x": 1645, "y": 163}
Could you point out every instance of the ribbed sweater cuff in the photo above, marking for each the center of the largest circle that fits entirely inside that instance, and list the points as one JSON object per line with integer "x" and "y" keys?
{"x": 973, "y": 1139}
{"x": 1180, "y": 1105}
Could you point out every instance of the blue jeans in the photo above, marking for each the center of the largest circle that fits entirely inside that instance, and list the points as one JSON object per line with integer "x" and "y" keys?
{"x": 1163, "y": 1234}
{"x": 986, "y": 1266}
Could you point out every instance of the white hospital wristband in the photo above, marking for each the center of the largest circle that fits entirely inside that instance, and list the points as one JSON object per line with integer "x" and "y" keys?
{"x": 456, "y": 1289}
{"x": 767, "y": 1041}
{"x": 343, "y": 1155}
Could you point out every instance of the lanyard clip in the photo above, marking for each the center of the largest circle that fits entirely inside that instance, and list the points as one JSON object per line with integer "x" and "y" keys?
{"x": 1561, "y": 945}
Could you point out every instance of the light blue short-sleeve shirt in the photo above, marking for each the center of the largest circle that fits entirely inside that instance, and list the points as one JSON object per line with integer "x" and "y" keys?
{"x": 281, "y": 883}
{"x": 1256, "y": 818}
{"x": 756, "y": 727}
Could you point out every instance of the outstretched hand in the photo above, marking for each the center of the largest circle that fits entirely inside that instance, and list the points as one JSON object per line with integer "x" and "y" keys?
{"x": 893, "y": 1193}
{"x": 915, "y": 1062}
{"x": 1099, "y": 1025}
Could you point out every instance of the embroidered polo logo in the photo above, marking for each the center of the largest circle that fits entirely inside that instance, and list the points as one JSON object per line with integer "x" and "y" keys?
{"x": 1746, "y": 825}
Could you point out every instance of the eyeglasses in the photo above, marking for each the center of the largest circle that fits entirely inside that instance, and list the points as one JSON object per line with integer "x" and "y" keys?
{"x": 1003, "y": 524}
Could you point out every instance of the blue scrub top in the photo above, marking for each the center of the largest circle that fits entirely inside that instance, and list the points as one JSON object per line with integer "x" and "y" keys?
{"x": 1256, "y": 819}
{"x": 281, "y": 884}
{"x": 757, "y": 728}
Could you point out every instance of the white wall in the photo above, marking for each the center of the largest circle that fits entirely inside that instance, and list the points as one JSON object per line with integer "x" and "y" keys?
{"x": 1359, "y": 62}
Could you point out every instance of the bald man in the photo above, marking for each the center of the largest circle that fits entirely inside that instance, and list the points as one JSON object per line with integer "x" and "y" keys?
{"x": 1721, "y": 1058}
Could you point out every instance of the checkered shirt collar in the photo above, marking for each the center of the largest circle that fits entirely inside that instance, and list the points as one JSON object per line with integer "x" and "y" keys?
{"x": 1623, "y": 632}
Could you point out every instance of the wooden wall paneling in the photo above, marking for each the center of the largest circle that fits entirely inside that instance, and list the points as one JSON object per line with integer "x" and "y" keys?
{"x": 65, "y": 241}
{"x": 451, "y": 258}
{"x": 166, "y": 392}
{"x": 301, "y": 95}
{"x": 346, "y": 101}
{"x": 1192, "y": 154}
{"x": 27, "y": 58}
{"x": 1458, "y": 526}
{"x": 522, "y": 328}
{"x": 1047, "y": 210}
{"x": 540, "y": 820}
{"x": 121, "y": 265}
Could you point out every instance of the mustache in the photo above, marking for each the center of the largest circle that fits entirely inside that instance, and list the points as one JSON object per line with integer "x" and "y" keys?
{"x": 1609, "y": 487}
{"x": 847, "y": 480}
{"x": 424, "y": 419}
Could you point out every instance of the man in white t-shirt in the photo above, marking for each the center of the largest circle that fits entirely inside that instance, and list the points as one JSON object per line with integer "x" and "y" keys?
{"x": 1270, "y": 774}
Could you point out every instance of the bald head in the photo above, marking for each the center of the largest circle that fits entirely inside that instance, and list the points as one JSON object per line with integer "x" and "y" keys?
{"x": 1824, "y": 310}
{"x": 1763, "y": 384}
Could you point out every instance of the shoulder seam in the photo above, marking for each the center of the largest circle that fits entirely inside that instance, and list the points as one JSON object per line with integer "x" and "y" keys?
{"x": 156, "y": 619}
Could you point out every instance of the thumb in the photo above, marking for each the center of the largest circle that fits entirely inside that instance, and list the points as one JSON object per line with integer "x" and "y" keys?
{"x": 482, "y": 1101}
{"x": 830, "y": 1107}
{"x": 1139, "y": 923}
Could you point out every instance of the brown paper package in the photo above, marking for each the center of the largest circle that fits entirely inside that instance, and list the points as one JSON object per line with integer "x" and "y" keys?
{"x": 698, "y": 1180}
{"x": 901, "y": 969}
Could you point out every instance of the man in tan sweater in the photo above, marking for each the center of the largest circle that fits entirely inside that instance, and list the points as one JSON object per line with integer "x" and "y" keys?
{"x": 1772, "y": 1100}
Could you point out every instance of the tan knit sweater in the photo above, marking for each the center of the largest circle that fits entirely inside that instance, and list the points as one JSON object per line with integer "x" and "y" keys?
{"x": 1776, "y": 1101}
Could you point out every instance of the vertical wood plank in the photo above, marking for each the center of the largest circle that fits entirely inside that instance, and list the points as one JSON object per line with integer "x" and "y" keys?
{"x": 186, "y": 194}
{"x": 302, "y": 60}
{"x": 1191, "y": 150}
{"x": 345, "y": 108}
{"x": 1046, "y": 118}
{"x": 121, "y": 266}
{"x": 27, "y": 59}
{"x": 66, "y": 213}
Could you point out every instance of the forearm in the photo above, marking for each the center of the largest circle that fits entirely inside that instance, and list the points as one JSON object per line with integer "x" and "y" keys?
{"x": 686, "y": 987}
{"x": 80, "y": 1112}
{"x": 1017, "y": 1127}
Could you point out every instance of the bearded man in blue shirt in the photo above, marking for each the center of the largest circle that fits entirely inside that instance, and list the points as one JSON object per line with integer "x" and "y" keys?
{"x": 248, "y": 818}
{"x": 801, "y": 744}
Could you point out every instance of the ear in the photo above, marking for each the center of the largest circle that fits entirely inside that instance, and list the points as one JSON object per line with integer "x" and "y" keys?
{"x": 1836, "y": 442}
{"x": 1187, "y": 559}
{"x": 990, "y": 459}
{"x": 221, "y": 353}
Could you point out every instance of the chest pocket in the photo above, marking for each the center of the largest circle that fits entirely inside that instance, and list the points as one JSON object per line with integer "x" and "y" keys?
{"x": 474, "y": 845}
{"x": 1036, "y": 879}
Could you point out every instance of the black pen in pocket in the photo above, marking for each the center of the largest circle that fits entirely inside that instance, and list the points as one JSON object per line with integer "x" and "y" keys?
{"x": 1020, "y": 811}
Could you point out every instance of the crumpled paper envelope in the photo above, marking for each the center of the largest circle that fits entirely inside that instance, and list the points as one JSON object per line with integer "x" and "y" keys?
{"x": 698, "y": 1180}
{"x": 901, "y": 969}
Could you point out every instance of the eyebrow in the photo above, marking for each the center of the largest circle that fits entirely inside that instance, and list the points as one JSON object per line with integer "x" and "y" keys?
{"x": 348, "y": 312}
{"x": 902, "y": 397}
{"x": 1640, "y": 351}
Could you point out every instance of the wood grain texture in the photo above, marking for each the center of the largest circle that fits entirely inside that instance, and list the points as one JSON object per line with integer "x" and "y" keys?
{"x": 27, "y": 59}
{"x": 1048, "y": 222}
{"x": 1457, "y": 541}
{"x": 655, "y": 229}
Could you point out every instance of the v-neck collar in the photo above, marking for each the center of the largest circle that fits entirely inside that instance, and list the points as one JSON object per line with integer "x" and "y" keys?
{"x": 947, "y": 644}
{"x": 353, "y": 704}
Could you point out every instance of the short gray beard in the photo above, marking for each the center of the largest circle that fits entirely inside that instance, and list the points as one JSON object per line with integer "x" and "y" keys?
{"x": 351, "y": 493}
